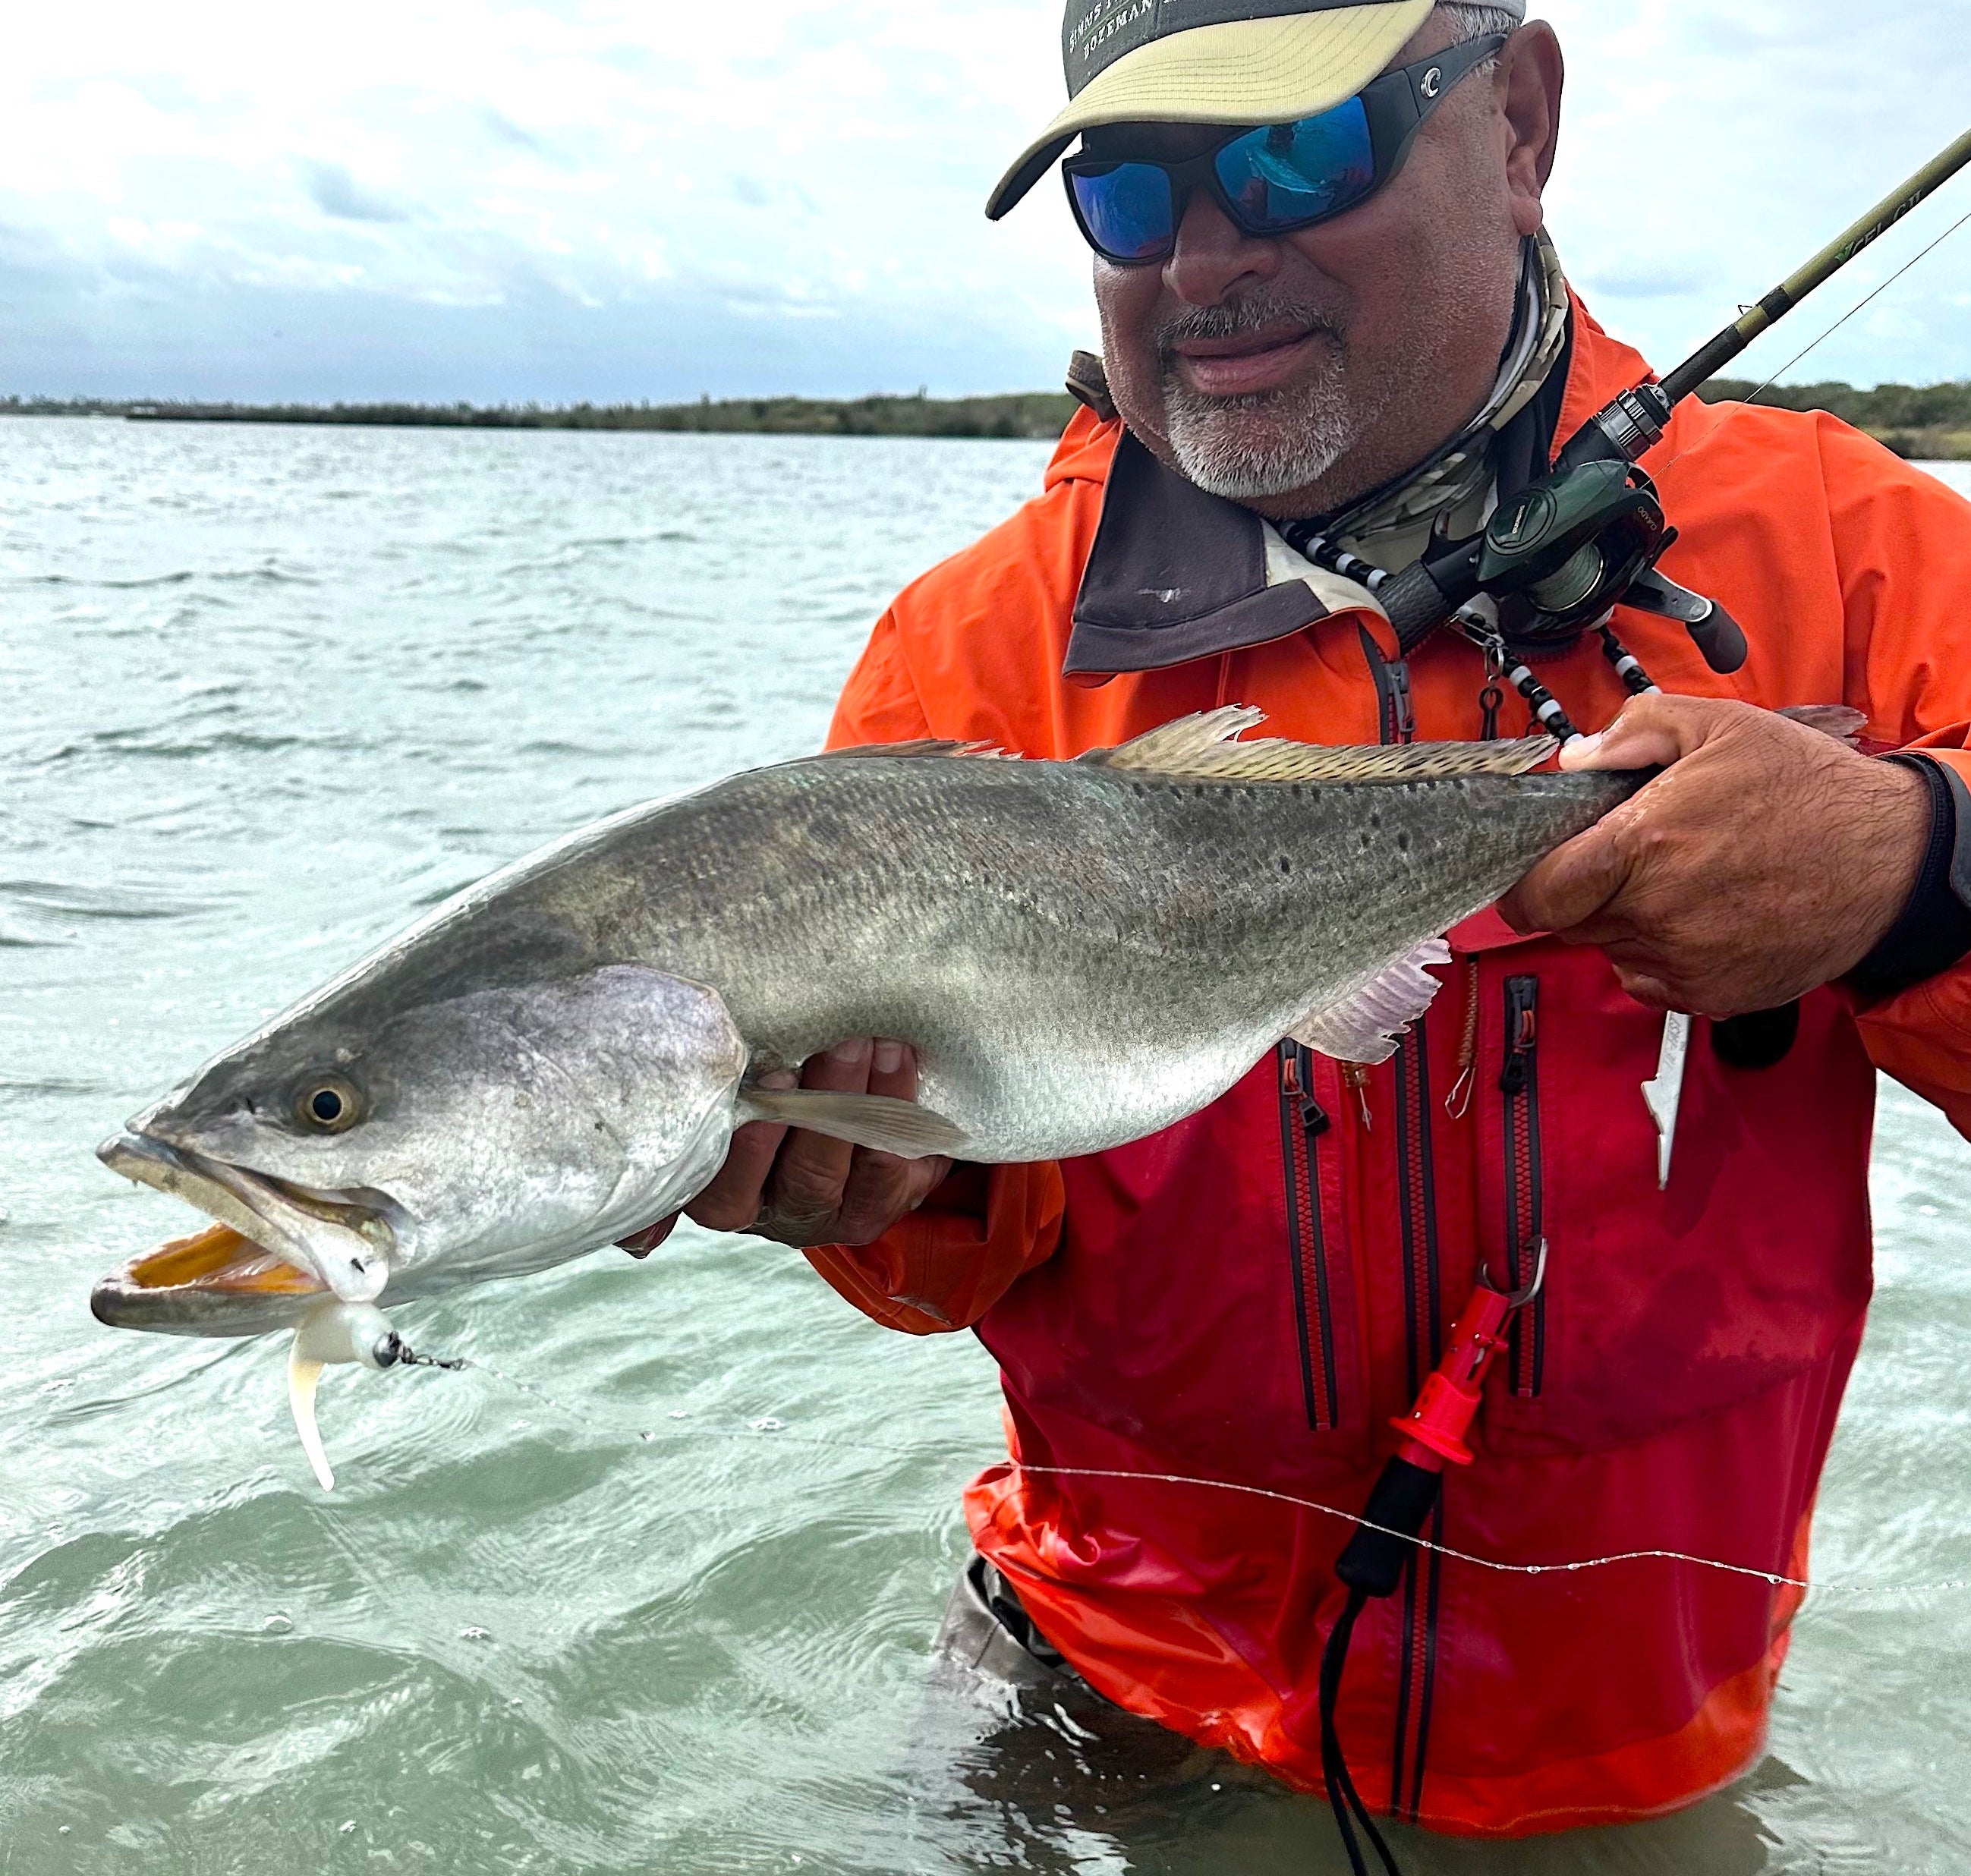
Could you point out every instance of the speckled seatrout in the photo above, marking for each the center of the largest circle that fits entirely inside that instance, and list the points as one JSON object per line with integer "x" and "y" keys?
{"x": 1081, "y": 953}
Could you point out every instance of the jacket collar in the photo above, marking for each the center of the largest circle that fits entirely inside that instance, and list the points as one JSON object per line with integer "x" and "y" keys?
{"x": 1175, "y": 574}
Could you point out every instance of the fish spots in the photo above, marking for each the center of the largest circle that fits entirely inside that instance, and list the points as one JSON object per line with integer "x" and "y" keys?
{"x": 1286, "y": 866}
{"x": 1403, "y": 843}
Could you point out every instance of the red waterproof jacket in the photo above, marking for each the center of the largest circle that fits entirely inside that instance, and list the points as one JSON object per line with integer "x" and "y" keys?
{"x": 1249, "y": 1296}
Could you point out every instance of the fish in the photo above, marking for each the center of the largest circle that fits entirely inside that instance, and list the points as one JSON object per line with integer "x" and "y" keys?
{"x": 1081, "y": 952}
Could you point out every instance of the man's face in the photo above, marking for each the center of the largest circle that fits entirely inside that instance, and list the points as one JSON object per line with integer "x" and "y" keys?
{"x": 1295, "y": 372}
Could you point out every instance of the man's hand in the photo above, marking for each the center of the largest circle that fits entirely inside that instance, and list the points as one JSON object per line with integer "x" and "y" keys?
{"x": 1770, "y": 860}
{"x": 803, "y": 1188}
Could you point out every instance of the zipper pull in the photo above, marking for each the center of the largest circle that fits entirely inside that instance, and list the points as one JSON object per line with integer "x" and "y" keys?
{"x": 1491, "y": 699}
{"x": 1357, "y": 1077}
{"x": 1519, "y": 1064}
{"x": 1402, "y": 712}
{"x": 1297, "y": 1084}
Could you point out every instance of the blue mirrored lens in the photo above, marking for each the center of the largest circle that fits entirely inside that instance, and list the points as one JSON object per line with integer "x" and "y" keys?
{"x": 1126, "y": 210}
{"x": 1281, "y": 174}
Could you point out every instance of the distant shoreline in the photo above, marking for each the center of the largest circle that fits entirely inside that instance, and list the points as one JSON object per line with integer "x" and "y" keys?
{"x": 1930, "y": 423}
{"x": 1031, "y": 416}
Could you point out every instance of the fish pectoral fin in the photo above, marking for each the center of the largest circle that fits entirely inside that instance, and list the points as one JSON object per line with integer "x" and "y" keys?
{"x": 874, "y": 1120}
{"x": 1202, "y": 747}
{"x": 1365, "y": 1027}
{"x": 1838, "y": 720}
{"x": 303, "y": 1375}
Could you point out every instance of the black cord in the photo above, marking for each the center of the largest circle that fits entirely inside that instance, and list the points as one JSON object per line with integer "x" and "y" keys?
{"x": 1341, "y": 1792}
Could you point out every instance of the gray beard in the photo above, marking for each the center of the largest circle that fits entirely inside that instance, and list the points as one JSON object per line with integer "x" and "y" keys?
{"x": 1249, "y": 448}
{"x": 1273, "y": 444}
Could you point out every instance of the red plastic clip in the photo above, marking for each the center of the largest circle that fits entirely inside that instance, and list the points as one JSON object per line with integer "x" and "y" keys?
{"x": 1434, "y": 1429}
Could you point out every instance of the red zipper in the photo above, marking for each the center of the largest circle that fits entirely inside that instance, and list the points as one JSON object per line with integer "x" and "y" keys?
{"x": 1526, "y": 1199}
{"x": 1303, "y": 1121}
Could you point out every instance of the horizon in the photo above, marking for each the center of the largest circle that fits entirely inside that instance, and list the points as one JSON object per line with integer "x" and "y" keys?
{"x": 576, "y": 201}
{"x": 21, "y": 403}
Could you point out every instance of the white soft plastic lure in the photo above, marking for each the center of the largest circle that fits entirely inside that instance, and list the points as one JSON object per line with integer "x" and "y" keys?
{"x": 333, "y": 1332}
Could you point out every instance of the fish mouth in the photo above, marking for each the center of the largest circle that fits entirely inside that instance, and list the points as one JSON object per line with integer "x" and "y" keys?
{"x": 273, "y": 1251}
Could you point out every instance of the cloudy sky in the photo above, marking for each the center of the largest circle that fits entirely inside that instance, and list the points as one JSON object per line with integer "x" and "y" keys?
{"x": 495, "y": 200}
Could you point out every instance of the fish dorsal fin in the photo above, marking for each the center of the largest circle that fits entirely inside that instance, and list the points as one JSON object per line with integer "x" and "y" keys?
{"x": 1175, "y": 748}
{"x": 1364, "y": 1027}
{"x": 1202, "y": 746}
{"x": 926, "y": 746}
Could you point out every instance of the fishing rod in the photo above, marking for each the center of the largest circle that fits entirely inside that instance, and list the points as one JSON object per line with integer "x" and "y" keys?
{"x": 1558, "y": 556}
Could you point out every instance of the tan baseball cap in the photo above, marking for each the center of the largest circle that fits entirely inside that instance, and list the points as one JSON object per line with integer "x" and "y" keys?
{"x": 1212, "y": 62}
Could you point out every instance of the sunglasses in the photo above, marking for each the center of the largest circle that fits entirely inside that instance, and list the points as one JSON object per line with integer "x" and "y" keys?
{"x": 1276, "y": 178}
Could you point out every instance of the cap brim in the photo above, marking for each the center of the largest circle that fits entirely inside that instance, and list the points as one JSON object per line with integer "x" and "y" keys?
{"x": 1268, "y": 71}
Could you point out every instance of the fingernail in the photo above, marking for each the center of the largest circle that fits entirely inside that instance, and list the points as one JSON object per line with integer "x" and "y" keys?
{"x": 851, "y": 1053}
{"x": 1582, "y": 749}
{"x": 888, "y": 1057}
{"x": 781, "y": 1078}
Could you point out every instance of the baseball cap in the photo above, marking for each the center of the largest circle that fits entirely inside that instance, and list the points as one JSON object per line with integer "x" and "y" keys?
{"x": 1212, "y": 62}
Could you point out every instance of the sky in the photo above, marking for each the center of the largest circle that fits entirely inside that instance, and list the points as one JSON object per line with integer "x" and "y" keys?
{"x": 504, "y": 200}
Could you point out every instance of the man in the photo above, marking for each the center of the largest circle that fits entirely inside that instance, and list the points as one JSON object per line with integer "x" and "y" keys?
{"x": 1311, "y": 327}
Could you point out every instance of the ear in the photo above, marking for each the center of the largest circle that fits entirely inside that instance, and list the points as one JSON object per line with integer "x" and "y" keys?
{"x": 1531, "y": 76}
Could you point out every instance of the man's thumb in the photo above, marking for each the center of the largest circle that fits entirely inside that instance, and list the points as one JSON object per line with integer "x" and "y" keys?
{"x": 1570, "y": 885}
{"x": 1651, "y": 732}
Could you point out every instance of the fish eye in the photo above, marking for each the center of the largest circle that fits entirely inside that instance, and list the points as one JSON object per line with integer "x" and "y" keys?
{"x": 328, "y": 1104}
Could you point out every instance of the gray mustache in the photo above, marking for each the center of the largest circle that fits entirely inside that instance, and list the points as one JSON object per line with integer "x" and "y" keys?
{"x": 1240, "y": 317}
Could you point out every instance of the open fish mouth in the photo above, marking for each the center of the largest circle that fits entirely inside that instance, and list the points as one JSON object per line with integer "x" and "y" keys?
{"x": 273, "y": 1250}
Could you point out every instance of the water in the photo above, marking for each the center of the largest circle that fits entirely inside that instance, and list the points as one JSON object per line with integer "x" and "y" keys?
{"x": 268, "y": 692}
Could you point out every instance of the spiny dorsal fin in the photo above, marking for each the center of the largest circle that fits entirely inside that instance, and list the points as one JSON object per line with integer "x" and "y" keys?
{"x": 1202, "y": 746}
{"x": 1173, "y": 748}
{"x": 926, "y": 746}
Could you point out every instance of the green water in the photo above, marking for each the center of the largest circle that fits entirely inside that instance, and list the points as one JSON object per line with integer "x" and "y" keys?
{"x": 270, "y": 691}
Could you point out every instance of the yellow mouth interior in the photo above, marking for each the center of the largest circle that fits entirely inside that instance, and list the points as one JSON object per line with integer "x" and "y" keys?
{"x": 218, "y": 1258}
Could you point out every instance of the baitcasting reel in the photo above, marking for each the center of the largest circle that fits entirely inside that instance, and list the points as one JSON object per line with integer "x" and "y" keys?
{"x": 1556, "y": 558}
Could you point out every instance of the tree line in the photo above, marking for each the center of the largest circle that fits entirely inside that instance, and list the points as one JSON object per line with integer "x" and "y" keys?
{"x": 1927, "y": 421}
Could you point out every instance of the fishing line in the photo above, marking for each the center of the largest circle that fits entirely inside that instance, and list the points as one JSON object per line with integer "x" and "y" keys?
{"x": 770, "y": 1426}
{"x": 1923, "y": 254}
{"x": 1778, "y": 1579}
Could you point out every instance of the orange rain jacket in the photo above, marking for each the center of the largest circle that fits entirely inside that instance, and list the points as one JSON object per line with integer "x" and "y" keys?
{"x": 1249, "y": 1296}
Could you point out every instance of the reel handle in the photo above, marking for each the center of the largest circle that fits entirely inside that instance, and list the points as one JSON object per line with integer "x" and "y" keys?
{"x": 1712, "y": 630}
